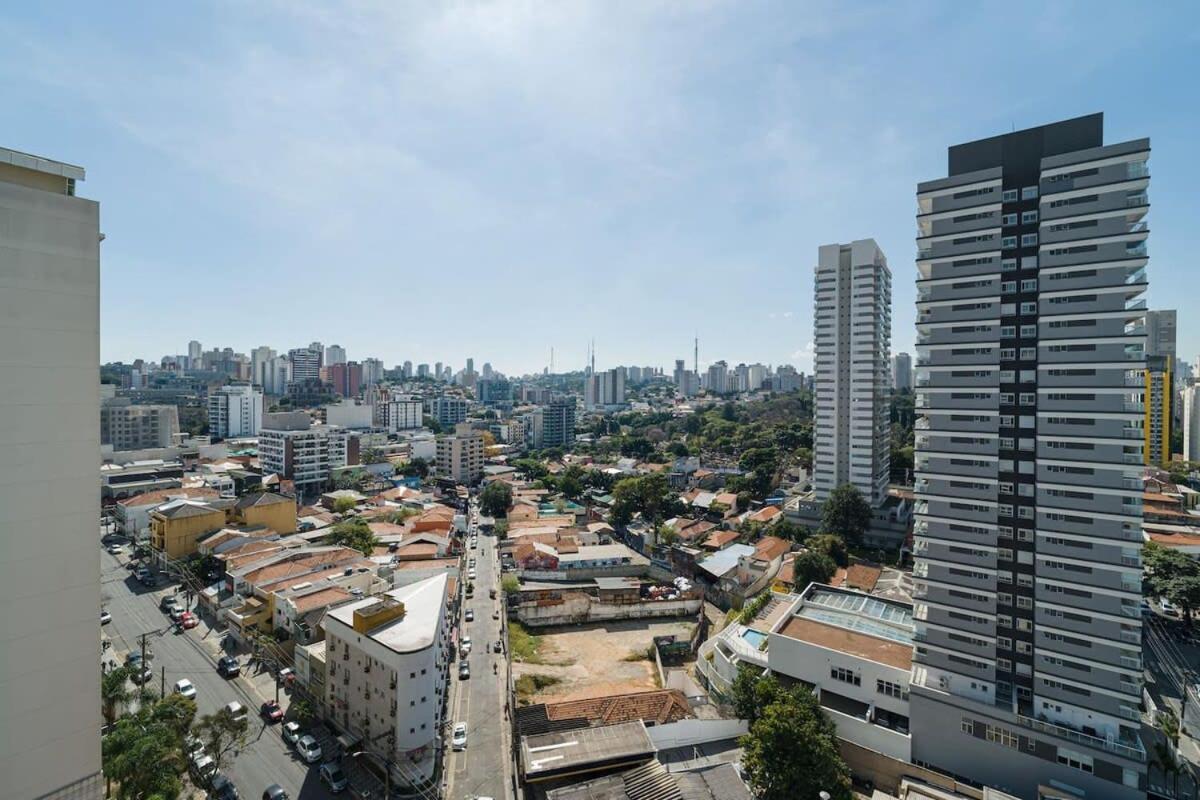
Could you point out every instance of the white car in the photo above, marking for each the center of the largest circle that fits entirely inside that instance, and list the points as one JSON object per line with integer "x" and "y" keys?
{"x": 471, "y": 574}
{"x": 105, "y": 617}
{"x": 236, "y": 710}
{"x": 459, "y": 740}
{"x": 465, "y": 646}
{"x": 309, "y": 749}
{"x": 204, "y": 767}
{"x": 291, "y": 732}
{"x": 114, "y": 549}
{"x": 185, "y": 687}
{"x": 469, "y": 615}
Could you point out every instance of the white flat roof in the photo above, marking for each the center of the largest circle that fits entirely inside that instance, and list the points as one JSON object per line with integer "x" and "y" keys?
{"x": 418, "y": 628}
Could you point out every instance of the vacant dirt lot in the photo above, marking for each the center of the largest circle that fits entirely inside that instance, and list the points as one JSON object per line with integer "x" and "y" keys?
{"x": 589, "y": 660}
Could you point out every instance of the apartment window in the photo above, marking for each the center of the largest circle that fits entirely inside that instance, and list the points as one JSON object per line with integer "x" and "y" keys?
{"x": 1028, "y": 331}
{"x": 1029, "y": 285}
{"x": 1001, "y": 736}
{"x": 1005, "y": 510}
{"x": 1003, "y": 643}
{"x": 891, "y": 689}
{"x": 1006, "y": 488}
{"x": 1075, "y": 760}
{"x": 1024, "y": 602}
{"x": 1028, "y": 353}
{"x": 1008, "y": 353}
{"x": 1009, "y": 196}
{"x": 1028, "y": 398}
{"x": 1029, "y": 193}
{"x": 1004, "y": 599}
{"x": 967, "y": 726}
{"x": 1008, "y": 242}
{"x": 1008, "y": 331}
{"x": 1028, "y": 308}
{"x": 845, "y": 675}
{"x": 1025, "y": 648}
{"x": 1008, "y": 265}
{"x": 1028, "y": 217}
{"x": 1024, "y": 535}
{"x": 1004, "y": 554}
{"x": 1029, "y": 239}
{"x": 1008, "y": 219}
{"x": 1008, "y": 287}
{"x": 1025, "y": 580}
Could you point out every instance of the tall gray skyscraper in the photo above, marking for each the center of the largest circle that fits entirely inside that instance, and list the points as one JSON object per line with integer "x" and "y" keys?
{"x": 1027, "y": 667}
{"x": 852, "y": 332}
{"x": 902, "y": 372}
{"x": 195, "y": 351}
{"x": 1160, "y": 333}
{"x": 335, "y": 354}
{"x": 49, "y": 485}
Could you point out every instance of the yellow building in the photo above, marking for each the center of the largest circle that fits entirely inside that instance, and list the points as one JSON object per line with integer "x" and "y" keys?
{"x": 1156, "y": 446}
{"x": 175, "y": 526}
{"x": 269, "y": 510}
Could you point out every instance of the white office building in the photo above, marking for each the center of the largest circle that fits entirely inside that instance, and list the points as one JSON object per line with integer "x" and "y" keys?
{"x": 402, "y": 414}
{"x": 372, "y": 372}
{"x": 235, "y": 410}
{"x": 260, "y": 357}
{"x": 291, "y": 447}
{"x": 604, "y": 390}
{"x": 387, "y": 660}
{"x": 276, "y": 375}
{"x": 50, "y": 437}
{"x": 335, "y": 354}
{"x": 852, "y": 335}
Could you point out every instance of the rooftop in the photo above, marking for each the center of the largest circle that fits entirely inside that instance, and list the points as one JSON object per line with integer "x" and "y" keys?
{"x": 723, "y": 561}
{"x": 38, "y": 164}
{"x": 854, "y": 623}
{"x": 417, "y": 629}
{"x": 551, "y": 755}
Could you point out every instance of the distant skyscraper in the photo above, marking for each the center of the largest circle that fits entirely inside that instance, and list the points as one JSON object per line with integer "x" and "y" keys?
{"x": 487, "y": 369}
{"x": 195, "y": 351}
{"x": 319, "y": 349}
{"x": 717, "y": 378}
{"x": 50, "y": 406}
{"x": 422, "y": 370}
{"x": 470, "y": 366}
{"x": 1191, "y": 423}
{"x": 335, "y": 354}
{"x": 372, "y": 372}
{"x": 853, "y": 328}
{"x": 902, "y": 372}
{"x": 1027, "y": 582}
{"x": 1159, "y": 400}
{"x": 235, "y": 410}
{"x": 259, "y": 358}
{"x": 437, "y": 371}
{"x": 306, "y": 363}
{"x": 1160, "y": 333}
{"x": 604, "y": 389}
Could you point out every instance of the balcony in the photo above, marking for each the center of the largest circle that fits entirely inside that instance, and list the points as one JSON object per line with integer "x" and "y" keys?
{"x": 1137, "y": 169}
{"x": 1131, "y": 749}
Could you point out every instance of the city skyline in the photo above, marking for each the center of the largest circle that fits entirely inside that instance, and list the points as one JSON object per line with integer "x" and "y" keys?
{"x": 698, "y": 155}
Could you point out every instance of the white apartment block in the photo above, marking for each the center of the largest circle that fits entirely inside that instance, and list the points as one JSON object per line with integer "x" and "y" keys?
{"x": 604, "y": 389}
{"x": 386, "y": 673}
{"x": 1191, "y": 423}
{"x": 234, "y": 411}
{"x": 290, "y": 446}
{"x": 402, "y": 415}
{"x": 852, "y": 335}
{"x": 350, "y": 414}
{"x": 50, "y": 437}
{"x": 448, "y": 410}
{"x": 124, "y": 426}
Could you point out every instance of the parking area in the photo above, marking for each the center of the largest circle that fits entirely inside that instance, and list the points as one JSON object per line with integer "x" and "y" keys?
{"x": 602, "y": 658}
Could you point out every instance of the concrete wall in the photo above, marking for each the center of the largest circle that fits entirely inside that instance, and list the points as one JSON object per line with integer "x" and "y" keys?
{"x": 690, "y": 732}
{"x": 578, "y": 608}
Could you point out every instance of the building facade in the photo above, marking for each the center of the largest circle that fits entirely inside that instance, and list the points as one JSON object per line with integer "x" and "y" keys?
{"x": 306, "y": 363}
{"x": 1159, "y": 402}
{"x": 461, "y": 456}
{"x": 852, "y": 323}
{"x": 235, "y": 410}
{"x": 1191, "y": 423}
{"x": 1027, "y": 665}
{"x": 49, "y": 582}
{"x": 290, "y": 446}
{"x": 558, "y": 424}
{"x": 448, "y": 410}
{"x": 902, "y": 373}
{"x": 125, "y": 426}
{"x": 604, "y": 390}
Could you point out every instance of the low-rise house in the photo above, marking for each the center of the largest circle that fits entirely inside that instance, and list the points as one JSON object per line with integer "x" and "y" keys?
{"x": 386, "y": 675}
{"x": 132, "y": 514}
{"x": 175, "y": 526}
{"x": 266, "y": 509}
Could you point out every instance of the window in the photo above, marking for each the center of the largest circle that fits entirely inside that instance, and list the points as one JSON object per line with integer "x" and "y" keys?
{"x": 1008, "y": 353}
{"x": 1028, "y": 217}
{"x": 1076, "y": 760}
{"x": 1008, "y": 219}
{"x": 1007, "y": 331}
{"x": 1001, "y": 736}
{"x": 1029, "y": 239}
{"x": 1029, "y": 193}
{"x": 1009, "y": 196}
{"x": 1003, "y": 643}
{"x": 967, "y": 726}
{"x": 1024, "y": 647}
{"x": 1008, "y": 264}
{"x": 1029, "y": 285}
{"x": 1028, "y": 308}
{"x": 1006, "y": 488}
{"x": 1028, "y": 331}
{"x": 1028, "y": 398}
{"x": 1008, "y": 242}
{"x": 1008, "y": 287}
{"x": 1028, "y": 353}
{"x": 845, "y": 675}
{"x": 891, "y": 689}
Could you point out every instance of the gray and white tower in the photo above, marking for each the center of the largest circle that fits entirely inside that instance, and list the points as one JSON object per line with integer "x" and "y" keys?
{"x": 1027, "y": 668}
{"x": 902, "y": 372}
{"x": 852, "y": 324}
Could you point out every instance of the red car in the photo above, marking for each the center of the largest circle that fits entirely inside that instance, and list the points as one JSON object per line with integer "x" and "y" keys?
{"x": 271, "y": 711}
{"x": 188, "y": 620}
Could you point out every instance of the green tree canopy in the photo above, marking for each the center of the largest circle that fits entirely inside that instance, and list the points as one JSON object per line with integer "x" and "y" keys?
{"x": 1172, "y": 574}
{"x": 143, "y": 752}
{"x": 832, "y": 546}
{"x": 344, "y": 504}
{"x": 354, "y": 532}
{"x": 416, "y": 467}
{"x": 791, "y": 750}
{"x": 495, "y": 499}
{"x": 649, "y": 495}
{"x": 221, "y": 734}
{"x": 846, "y": 514}
{"x": 114, "y": 692}
{"x": 812, "y": 566}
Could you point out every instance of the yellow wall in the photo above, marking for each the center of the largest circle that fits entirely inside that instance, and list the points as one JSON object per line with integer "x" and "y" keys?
{"x": 279, "y": 517}
{"x": 177, "y": 537}
{"x": 1163, "y": 379}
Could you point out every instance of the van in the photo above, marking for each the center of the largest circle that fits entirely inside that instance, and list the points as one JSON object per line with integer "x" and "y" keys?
{"x": 236, "y": 710}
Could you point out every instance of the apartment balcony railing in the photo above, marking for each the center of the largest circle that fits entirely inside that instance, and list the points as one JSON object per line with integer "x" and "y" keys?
{"x": 1133, "y": 749}
{"x": 1137, "y": 169}
{"x": 1139, "y": 227}
{"x": 1136, "y": 200}
{"x": 1138, "y": 250}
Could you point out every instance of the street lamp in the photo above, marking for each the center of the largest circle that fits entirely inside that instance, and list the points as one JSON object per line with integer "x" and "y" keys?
{"x": 387, "y": 771}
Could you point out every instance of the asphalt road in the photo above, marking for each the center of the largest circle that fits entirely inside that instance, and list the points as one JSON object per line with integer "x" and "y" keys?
{"x": 483, "y": 769}
{"x": 134, "y": 608}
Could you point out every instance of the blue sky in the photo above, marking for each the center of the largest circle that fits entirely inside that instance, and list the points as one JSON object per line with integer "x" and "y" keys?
{"x": 432, "y": 181}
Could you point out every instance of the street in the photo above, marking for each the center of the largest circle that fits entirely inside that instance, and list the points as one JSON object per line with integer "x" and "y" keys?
{"x": 484, "y": 768}
{"x": 134, "y": 608}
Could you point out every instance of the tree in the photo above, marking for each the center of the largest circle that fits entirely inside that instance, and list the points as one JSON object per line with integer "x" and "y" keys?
{"x": 417, "y": 467}
{"x": 1172, "y": 574}
{"x": 222, "y": 733}
{"x": 511, "y": 584}
{"x": 489, "y": 439}
{"x": 354, "y": 533}
{"x": 649, "y": 495}
{"x": 791, "y": 751}
{"x": 846, "y": 514}
{"x": 570, "y": 483}
{"x": 752, "y": 691}
{"x": 301, "y": 711}
{"x": 811, "y": 566}
{"x": 114, "y": 692}
{"x": 432, "y": 424}
{"x": 832, "y": 546}
{"x": 530, "y": 468}
{"x": 143, "y": 752}
{"x": 344, "y": 504}
{"x": 495, "y": 499}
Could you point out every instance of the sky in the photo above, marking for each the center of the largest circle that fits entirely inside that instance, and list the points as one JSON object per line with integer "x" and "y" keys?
{"x": 434, "y": 181}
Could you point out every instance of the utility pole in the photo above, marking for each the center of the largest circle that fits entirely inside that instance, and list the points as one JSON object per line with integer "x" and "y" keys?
{"x": 162, "y": 685}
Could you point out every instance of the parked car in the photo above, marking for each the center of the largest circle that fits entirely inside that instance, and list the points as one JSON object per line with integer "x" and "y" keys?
{"x": 333, "y": 777}
{"x": 471, "y": 574}
{"x": 465, "y": 645}
{"x": 142, "y": 676}
{"x": 464, "y": 671}
{"x": 105, "y": 617}
{"x": 185, "y": 687}
{"x": 492, "y": 593}
{"x": 176, "y": 613}
{"x": 459, "y": 740}
{"x": 495, "y": 613}
{"x": 228, "y": 667}
{"x": 236, "y": 710}
{"x": 114, "y": 549}
{"x": 271, "y": 711}
{"x": 192, "y": 746}
{"x": 1168, "y": 607}
{"x": 309, "y": 749}
{"x": 469, "y": 615}
{"x": 497, "y": 646}
{"x": 223, "y": 789}
{"x": 188, "y": 621}
{"x": 274, "y": 792}
{"x": 291, "y": 733}
{"x": 204, "y": 768}
{"x": 167, "y": 602}
{"x": 134, "y": 659}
